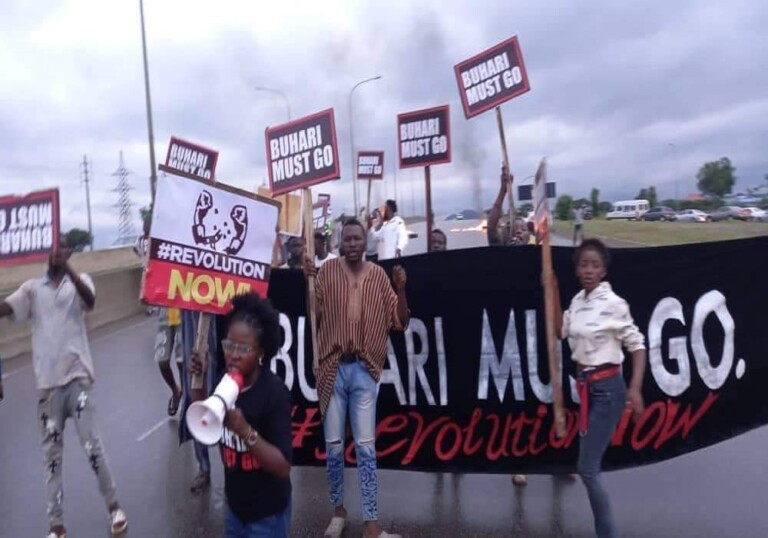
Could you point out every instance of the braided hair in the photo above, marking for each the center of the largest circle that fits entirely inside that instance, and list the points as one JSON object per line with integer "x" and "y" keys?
{"x": 261, "y": 316}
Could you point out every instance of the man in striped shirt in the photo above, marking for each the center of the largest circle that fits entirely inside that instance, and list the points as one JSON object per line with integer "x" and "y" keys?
{"x": 357, "y": 308}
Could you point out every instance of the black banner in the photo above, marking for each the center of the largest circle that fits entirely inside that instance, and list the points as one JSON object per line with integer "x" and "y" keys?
{"x": 302, "y": 153}
{"x": 190, "y": 159}
{"x": 466, "y": 388}
{"x": 29, "y": 227}
{"x": 424, "y": 137}
{"x": 491, "y": 77}
{"x": 370, "y": 165}
{"x": 525, "y": 192}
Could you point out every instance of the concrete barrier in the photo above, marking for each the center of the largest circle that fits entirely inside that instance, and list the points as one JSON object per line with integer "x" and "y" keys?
{"x": 117, "y": 297}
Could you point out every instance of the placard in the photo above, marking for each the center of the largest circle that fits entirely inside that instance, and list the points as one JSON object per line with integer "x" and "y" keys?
{"x": 302, "y": 153}
{"x": 29, "y": 227}
{"x": 492, "y": 77}
{"x": 424, "y": 137}
{"x": 370, "y": 165}
{"x": 188, "y": 159}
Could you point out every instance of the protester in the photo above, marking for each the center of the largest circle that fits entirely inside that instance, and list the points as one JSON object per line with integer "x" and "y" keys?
{"x": 372, "y": 246}
{"x": 189, "y": 327}
{"x": 597, "y": 324}
{"x": 141, "y": 248}
{"x": 168, "y": 345}
{"x": 256, "y": 442}
{"x": 578, "y": 224}
{"x": 356, "y": 309}
{"x": 521, "y": 233}
{"x": 391, "y": 233}
{"x": 322, "y": 254}
{"x": 439, "y": 241}
{"x": 296, "y": 247}
{"x": 55, "y": 306}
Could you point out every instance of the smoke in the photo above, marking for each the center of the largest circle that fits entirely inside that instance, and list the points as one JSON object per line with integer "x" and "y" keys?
{"x": 473, "y": 157}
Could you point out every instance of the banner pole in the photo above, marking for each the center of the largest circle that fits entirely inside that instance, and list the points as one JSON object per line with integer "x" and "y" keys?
{"x": 368, "y": 203}
{"x": 428, "y": 190}
{"x": 201, "y": 344}
{"x": 310, "y": 246}
{"x": 505, "y": 162}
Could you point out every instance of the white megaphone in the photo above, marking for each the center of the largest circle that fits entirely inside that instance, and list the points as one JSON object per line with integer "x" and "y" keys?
{"x": 205, "y": 419}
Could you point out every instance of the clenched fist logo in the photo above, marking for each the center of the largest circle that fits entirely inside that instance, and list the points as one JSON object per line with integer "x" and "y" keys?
{"x": 220, "y": 232}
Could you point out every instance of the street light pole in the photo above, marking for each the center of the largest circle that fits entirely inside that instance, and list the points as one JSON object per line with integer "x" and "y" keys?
{"x": 281, "y": 94}
{"x": 352, "y": 143}
{"x": 150, "y": 129}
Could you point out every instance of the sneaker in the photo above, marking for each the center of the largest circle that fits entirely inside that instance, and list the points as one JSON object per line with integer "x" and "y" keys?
{"x": 384, "y": 534}
{"x": 54, "y": 535}
{"x": 119, "y": 521}
{"x": 519, "y": 479}
{"x": 335, "y": 527}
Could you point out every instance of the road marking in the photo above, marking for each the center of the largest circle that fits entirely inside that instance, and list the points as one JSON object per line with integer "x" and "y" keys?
{"x": 153, "y": 429}
{"x": 93, "y": 340}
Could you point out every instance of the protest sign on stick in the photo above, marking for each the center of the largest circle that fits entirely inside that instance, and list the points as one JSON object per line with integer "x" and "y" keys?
{"x": 190, "y": 160}
{"x": 208, "y": 243}
{"x": 489, "y": 79}
{"x": 424, "y": 139}
{"x": 370, "y": 166}
{"x": 29, "y": 227}
{"x": 302, "y": 153}
{"x": 541, "y": 219}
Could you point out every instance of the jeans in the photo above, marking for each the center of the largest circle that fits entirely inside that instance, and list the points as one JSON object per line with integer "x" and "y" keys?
{"x": 54, "y": 407}
{"x": 607, "y": 399}
{"x": 355, "y": 389}
{"x": 275, "y": 526}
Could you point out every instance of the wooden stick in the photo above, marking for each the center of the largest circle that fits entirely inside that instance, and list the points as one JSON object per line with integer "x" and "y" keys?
{"x": 505, "y": 162}
{"x": 309, "y": 232}
{"x": 428, "y": 189}
{"x": 368, "y": 204}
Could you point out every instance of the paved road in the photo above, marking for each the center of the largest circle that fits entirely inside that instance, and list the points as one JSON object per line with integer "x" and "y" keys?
{"x": 717, "y": 492}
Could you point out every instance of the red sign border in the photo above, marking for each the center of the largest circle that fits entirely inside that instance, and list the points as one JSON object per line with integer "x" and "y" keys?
{"x": 48, "y": 194}
{"x": 335, "y": 174}
{"x": 364, "y": 152}
{"x": 445, "y": 160}
{"x": 197, "y": 147}
{"x": 493, "y": 103}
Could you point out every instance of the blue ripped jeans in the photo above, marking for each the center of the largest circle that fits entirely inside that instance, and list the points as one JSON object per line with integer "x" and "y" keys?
{"x": 356, "y": 390}
{"x": 607, "y": 399}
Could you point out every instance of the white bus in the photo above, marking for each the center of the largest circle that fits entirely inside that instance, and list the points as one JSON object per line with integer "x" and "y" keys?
{"x": 628, "y": 209}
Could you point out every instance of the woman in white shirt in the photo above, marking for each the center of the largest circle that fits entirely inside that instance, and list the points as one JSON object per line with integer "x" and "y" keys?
{"x": 598, "y": 324}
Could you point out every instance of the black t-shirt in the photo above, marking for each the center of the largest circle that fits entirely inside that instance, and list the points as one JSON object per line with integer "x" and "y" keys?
{"x": 252, "y": 493}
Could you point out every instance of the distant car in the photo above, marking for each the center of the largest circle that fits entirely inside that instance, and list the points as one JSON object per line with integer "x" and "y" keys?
{"x": 739, "y": 213}
{"x": 693, "y": 215}
{"x": 470, "y": 214}
{"x": 723, "y": 213}
{"x": 755, "y": 213}
{"x": 662, "y": 213}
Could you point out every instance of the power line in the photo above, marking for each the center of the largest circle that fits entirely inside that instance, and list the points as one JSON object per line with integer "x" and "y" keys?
{"x": 125, "y": 229}
{"x": 87, "y": 182}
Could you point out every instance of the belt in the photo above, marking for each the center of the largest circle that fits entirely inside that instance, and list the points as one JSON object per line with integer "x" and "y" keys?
{"x": 348, "y": 358}
{"x": 604, "y": 371}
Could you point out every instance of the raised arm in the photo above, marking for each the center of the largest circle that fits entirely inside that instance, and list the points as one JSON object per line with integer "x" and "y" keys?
{"x": 84, "y": 289}
{"x": 496, "y": 212}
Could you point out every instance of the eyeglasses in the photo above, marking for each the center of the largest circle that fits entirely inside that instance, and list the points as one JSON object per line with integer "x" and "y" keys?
{"x": 233, "y": 347}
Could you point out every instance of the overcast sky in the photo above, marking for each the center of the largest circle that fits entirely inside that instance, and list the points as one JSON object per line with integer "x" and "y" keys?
{"x": 613, "y": 84}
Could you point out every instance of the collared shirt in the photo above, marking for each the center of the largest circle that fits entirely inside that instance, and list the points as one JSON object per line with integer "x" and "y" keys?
{"x": 60, "y": 349}
{"x": 578, "y": 216}
{"x": 598, "y": 325}
{"x": 355, "y": 313}
{"x": 392, "y": 236}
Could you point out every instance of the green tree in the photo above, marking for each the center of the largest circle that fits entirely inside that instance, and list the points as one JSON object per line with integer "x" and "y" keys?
{"x": 78, "y": 239}
{"x": 605, "y": 207}
{"x": 717, "y": 177}
{"x": 594, "y": 199}
{"x": 564, "y": 207}
{"x": 145, "y": 213}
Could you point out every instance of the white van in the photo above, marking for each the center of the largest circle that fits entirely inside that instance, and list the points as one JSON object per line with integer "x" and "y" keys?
{"x": 628, "y": 209}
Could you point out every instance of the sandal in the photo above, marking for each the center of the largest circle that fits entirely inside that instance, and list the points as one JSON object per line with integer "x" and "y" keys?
{"x": 173, "y": 404}
{"x": 119, "y": 522}
{"x": 201, "y": 482}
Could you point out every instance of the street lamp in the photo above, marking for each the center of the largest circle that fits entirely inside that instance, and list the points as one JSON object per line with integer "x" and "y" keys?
{"x": 152, "y": 165}
{"x": 278, "y": 92}
{"x": 352, "y": 140}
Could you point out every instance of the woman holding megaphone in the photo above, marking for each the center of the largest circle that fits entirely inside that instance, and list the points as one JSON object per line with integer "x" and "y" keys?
{"x": 255, "y": 440}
